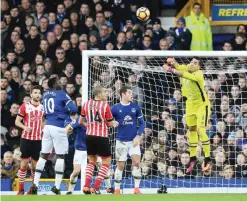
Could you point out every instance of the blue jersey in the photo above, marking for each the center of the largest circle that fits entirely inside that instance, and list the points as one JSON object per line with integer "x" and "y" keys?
{"x": 57, "y": 105}
{"x": 130, "y": 119}
{"x": 79, "y": 134}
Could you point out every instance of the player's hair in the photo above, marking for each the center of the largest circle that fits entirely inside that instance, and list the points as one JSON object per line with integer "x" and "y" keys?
{"x": 36, "y": 88}
{"x": 97, "y": 90}
{"x": 197, "y": 4}
{"x": 124, "y": 89}
{"x": 53, "y": 84}
{"x": 199, "y": 59}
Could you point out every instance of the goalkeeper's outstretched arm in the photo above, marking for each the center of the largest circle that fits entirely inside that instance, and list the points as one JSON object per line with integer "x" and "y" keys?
{"x": 177, "y": 66}
{"x": 184, "y": 74}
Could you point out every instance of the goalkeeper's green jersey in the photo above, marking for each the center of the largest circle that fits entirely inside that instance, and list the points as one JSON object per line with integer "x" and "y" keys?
{"x": 193, "y": 85}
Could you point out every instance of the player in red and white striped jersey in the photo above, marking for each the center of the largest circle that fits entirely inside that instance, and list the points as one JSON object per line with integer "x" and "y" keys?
{"x": 99, "y": 118}
{"x": 30, "y": 119}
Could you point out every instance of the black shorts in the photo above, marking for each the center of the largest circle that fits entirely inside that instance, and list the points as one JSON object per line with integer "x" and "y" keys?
{"x": 30, "y": 148}
{"x": 99, "y": 146}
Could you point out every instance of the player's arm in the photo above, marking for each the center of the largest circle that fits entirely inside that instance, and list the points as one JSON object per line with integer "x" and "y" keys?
{"x": 194, "y": 77}
{"x": 177, "y": 66}
{"x": 83, "y": 115}
{"x": 109, "y": 118}
{"x": 19, "y": 119}
{"x": 69, "y": 103}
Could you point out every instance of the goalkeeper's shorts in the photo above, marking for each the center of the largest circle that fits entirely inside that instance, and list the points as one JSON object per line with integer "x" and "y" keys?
{"x": 197, "y": 114}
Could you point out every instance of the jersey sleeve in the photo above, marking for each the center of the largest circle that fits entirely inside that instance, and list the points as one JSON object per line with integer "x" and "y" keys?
{"x": 66, "y": 98}
{"x": 183, "y": 67}
{"x": 22, "y": 110}
{"x": 140, "y": 120}
{"x": 139, "y": 112}
{"x": 83, "y": 111}
{"x": 75, "y": 123}
{"x": 113, "y": 111}
{"x": 196, "y": 76}
{"x": 108, "y": 115}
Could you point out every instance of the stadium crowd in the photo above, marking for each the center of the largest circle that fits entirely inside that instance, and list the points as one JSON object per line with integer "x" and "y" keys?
{"x": 44, "y": 39}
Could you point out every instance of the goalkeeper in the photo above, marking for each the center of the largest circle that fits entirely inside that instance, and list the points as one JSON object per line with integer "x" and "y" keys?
{"x": 197, "y": 107}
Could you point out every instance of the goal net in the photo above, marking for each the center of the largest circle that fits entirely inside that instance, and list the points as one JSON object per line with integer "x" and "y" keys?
{"x": 165, "y": 145}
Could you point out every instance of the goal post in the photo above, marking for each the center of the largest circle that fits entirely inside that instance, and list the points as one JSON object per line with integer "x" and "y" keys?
{"x": 165, "y": 141}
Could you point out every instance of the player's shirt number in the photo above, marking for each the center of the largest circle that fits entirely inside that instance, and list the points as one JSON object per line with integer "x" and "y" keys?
{"x": 95, "y": 117}
{"x": 49, "y": 105}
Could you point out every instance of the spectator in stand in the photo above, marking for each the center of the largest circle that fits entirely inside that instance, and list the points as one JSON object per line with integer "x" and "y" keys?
{"x": 104, "y": 37}
{"x": 70, "y": 90}
{"x": 164, "y": 44}
{"x": 174, "y": 44}
{"x": 146, "y": 43}
{"x": 9, "y": 166}
{"x": 130, "y": 40}
{"x": 45, "y": 85}
{"x": 183, "y": 34}
{"x": 5, "y": 103}
{"x": 238, "y": 43}
{"x": 20, "y": 51}
{"x": 3, "y": 142}
{"x": 241, "y": 166}
{"x": 25, "y": 89}
{"x": 100, "y": 20}
{"x": 121, "y": 42}
{"x": 69, "y": 72}
{"x": 9, "y": 119}
{"x": 61, "y": 62}
{"x": 13, "y": 137}
{"x": 200, "y": 28}
{"x": 40, "y": 12}
{"x": 227, "y": 46}
{"x": 5, "y": 86}
{"x": 137, "y": 91}
{"x": 43, "y": 29}
{"x": 12, "y": 83}
{"x": 26, "y": 8}
{"x": 158, "y": 32}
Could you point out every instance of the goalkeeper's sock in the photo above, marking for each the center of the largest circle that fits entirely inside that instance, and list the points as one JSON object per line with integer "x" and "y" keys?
{"x": 39, "y": 168}
{"x": 101, "y": 175}
{"x": 59, "y": 168}
{"x": 193, "y": 140}
{"x": 72, "y": 181}
{"x": 89, "y": 173}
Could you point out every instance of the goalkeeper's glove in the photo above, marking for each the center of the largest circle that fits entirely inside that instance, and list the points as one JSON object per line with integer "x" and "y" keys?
{"x": 171, "y": 61}
{"x": 168, "y": 68}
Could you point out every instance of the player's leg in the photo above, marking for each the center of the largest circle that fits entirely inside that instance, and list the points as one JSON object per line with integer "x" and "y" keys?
{"x": 202, "y": 121}
{"x": 107, "y": 179}
{"x": 25, "y": 156}
{"x": 121, "y": 151}
{"x": 61, "y": 145}
{"x": 78, "y": 157}
{"x": 135, "y": 153}
{"x": 193, "y": 137}
{"x": 92, "y": 159}
{"x": 46, "y": 148}
{"x": 103, "y": 150}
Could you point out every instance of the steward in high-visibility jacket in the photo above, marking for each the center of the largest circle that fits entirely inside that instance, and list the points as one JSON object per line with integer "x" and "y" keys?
{"x": 201, "y": 32}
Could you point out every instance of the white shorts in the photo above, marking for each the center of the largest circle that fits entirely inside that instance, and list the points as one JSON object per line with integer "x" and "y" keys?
{"x": 56, "y": 137}
{"x": 124, "y": 148}
{"x": 80, "y": 157}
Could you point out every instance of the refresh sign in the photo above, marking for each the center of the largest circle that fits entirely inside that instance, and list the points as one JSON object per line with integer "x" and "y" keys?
{"x": 231, "y": 12}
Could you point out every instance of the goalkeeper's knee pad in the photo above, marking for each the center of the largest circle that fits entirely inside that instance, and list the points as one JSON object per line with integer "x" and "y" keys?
{"x": 136, "y": 172}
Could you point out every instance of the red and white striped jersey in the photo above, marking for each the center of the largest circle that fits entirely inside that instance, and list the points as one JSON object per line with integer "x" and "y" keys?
{"x": 97, "y": 113}
{"x": 32, "y": 117}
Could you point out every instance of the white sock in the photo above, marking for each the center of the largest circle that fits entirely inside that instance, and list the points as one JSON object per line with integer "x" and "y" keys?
{"x": 118, "y": 178}
{"x": 59, "y": 168}
{"x": 137, "y": 182}
{"x": 136, "y": 173}
{"x": 72, "y": 181}
{"x": 108, "y": 182}
{"x": 39, "y": 169}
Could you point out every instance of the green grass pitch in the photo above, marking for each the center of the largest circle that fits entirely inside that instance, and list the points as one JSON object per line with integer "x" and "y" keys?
{"x": 132, "y": 197}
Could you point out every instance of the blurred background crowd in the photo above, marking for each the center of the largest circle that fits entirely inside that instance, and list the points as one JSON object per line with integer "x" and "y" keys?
{"x": 45, "y": 39}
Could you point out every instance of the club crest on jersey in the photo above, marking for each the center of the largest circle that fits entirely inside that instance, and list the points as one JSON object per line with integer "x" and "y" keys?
{"x": 133, "y": 110}
{"x": 127, "y": 120}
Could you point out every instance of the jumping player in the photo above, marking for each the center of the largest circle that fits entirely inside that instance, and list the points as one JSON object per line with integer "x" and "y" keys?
{"x": 57, "y": 105}
{"x": 99, "y": 118}
{"x": 128, "y": 138}
{"x": 30, "y": 120}
{"x": 197, "y": 107}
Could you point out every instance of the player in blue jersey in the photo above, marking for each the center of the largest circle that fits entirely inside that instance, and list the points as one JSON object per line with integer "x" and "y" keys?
{"x": 80, "y": 157}
{"x": 57, "y": 105}
{"x": 130, "y": 129}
